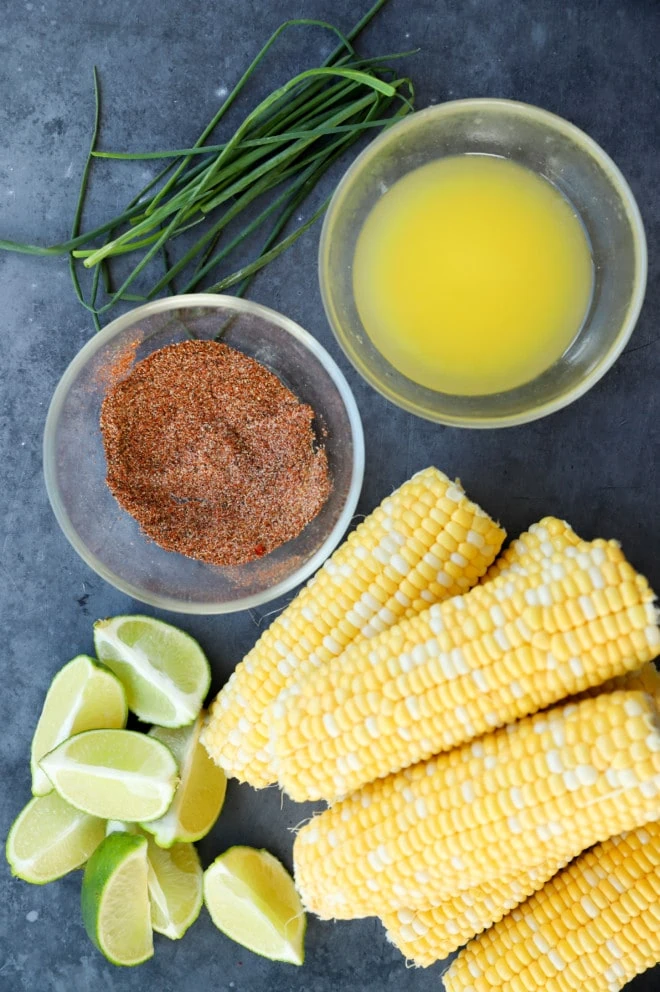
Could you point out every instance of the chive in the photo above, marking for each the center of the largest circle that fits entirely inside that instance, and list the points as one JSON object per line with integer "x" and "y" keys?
{"x": 274, "y": 158}
{"x": 80, "y": 205}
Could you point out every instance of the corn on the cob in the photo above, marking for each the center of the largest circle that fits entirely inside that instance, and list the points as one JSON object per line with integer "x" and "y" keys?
{"x": 541, "y": 789}
{"x": 424, "y": 543}
{"x": 592, "y": 928}
{"x": 428, "y": 935}
{"x": 569, "y": 616}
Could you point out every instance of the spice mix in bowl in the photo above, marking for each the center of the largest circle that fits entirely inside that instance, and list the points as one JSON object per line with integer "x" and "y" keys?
{"x": 203, "y": 453}
{"x": 212, "y": 454}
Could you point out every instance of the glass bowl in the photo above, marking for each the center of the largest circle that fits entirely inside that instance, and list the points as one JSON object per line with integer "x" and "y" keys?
{"x": 109, "y": 539}
{"x": 561, "y": 153}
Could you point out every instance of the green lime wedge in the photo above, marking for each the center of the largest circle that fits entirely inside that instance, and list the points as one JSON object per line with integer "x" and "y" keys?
{"x": 115, "y": 899}
{"x": 201, "y": 791}
{"x": 175, "y": 888}
{"x": 49, "y": 838}
{"x": 174, "y": 880}
{"x": 82, "y": 696}
{"x": 252, "y": 899}
{"x": 114, "y": 774}
{"x": 164, "y": 671}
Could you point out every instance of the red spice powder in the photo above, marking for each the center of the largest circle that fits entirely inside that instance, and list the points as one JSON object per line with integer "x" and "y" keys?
{"x": 213, "y": 456}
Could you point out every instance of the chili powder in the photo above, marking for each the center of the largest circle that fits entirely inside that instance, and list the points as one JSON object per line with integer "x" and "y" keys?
{"x": 212, "y": 455}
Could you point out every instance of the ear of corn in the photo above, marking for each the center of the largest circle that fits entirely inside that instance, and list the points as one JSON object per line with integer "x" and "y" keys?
{"x": 561, "y": 616}
{"x": 424, "y": 543}
{"x": 428, "y": 935}
{"x": 591, "y": 928}
{"x": 541, "y": 789}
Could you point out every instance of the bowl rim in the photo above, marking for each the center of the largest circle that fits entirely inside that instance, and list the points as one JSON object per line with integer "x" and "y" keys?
{"x": 629, "y": 204}
{"x": 214, "y": 301}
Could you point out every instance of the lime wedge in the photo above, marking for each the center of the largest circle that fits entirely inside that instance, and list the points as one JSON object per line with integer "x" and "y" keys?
{"x": 114, "y": 774}
{"x": 252, "y": 899}
{"x": 200, "y": 794}
{"x": 115, "y": 899}
{"x": 175, "y": 888}
{"x": 49, "y": 838}
{"x": 82, "y": 696}
{"x": 164, "y": 671}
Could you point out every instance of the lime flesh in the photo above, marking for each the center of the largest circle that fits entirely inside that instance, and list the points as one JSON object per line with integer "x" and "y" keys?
{"x": 49, "y": 838}
{"x": 164, "y": 671}
{"x": 82, "y": 696}
{"x": 252, "y": 899}
{"x": 201, "y": 791}
{"x": 114, "y": 774}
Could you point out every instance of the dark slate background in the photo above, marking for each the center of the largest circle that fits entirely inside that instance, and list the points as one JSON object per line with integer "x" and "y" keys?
{"x": 163, "y": 64}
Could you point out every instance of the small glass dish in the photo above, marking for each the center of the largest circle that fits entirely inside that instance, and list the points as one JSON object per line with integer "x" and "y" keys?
{"x": 110, "y": 540}
{"x": 549, "y": 146}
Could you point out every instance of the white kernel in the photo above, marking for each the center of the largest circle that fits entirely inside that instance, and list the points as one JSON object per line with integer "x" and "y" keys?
{"x": 457, "y": 863}
{"x": 628, "y": 778}
{"x": 437, "y": 624}
{"x": 514, "y": 825}
{"x": 331, "y": 725}
{"x": 444, "y": 580}
{"x": 492, "y": 718}
{"x": 365, "y": 800}
{"x": 458, "y": 661}
{"x": 586, "y": 774}
{"x": 523, "y": 629}
{"x": 516, "y": 797}
{"x": 557, "y": 572}
{"x": 345, "y": 814}
{"x": 458, "y": 559}
{"x": 408, "y": 795}
{"x": 633, "y": 707}
{"x": 452, "y": 928}
{"x": 354, "y": 762}
{"x": 541, "y": 943}
{"x": 587, "y": 607}
{"x": 372, "y": 884}
{"x": 404, "y": 733}
{"x": 543, "y": 833}
{"x": 596, "y": 578}
{"x": 531, "y": 922}
{"x": 531, "y": 598}
{"x": 402, "y": 598}
{"x": 556, "y": 960}
{"x": 405, "y": 916}
{"x": 422, "y": 877}
{"x": 308, "y": 613}
{"x": 386, "y": 615}
{"x": 653, "y": 741}
{"x": 374, "y": 861}
{"x": 616, "y": 884}
{"x": 516, "y": 689}
{"x": 652, "y": 635}
{"x": 490, "y": 762}
{"x": 613, "y": 948}
{"x": 461, "y": 714}
{"x": 454, "y": 494}
{"x": 371, "y": 602}
{"x": 502, "y": 640}
{"x": 399, "y": 564}
{"x": 571, "y": 781}
{"x": 447, "y": 666}
{"x": 612, "y": 777}
{"x": 419, "y": 654}
{"x": 545, "y": 596}
{"x": 477, "y": 749}
{"x": 473, "y": 537}
{"x": 371, "y": 725}
{"x": 412, "y": 705}
{"x": 557, "y": 733}
{"x": 467, "y": 791}
{"x": 554, "y": 762}
{"x": 427, "y": 596}
{"x": 419, "y": 927}
{"x": 480, "y": 680}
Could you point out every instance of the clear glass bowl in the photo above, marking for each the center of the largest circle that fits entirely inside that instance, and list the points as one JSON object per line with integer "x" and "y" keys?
{"x": 546, "y": 144}
{"x": 109, "y": 539}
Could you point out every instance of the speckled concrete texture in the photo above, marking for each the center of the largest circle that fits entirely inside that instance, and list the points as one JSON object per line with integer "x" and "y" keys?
{"x": 163, "y": 67}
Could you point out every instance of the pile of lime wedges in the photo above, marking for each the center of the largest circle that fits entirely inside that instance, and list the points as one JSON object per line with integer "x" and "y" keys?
{"x": 128, "y": 806}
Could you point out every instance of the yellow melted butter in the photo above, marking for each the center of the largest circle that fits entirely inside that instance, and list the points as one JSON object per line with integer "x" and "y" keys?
{"x": 472, "y": 274}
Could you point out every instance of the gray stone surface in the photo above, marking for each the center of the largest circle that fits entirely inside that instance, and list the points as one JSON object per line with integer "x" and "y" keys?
{"x": 596, "y": 463}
